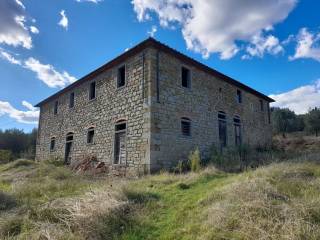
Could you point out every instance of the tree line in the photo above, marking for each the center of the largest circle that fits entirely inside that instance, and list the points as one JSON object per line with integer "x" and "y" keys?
{"x": 15, "y": 143}
{"x": 285, "y": 121}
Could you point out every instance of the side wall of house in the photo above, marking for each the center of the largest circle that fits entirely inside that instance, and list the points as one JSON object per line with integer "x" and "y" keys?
{"x": 200, "y": 104}
{"x": 111, "y": 104}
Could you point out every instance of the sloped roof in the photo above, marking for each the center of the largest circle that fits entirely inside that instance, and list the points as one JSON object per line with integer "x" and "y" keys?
{"x": 151, "y": 42}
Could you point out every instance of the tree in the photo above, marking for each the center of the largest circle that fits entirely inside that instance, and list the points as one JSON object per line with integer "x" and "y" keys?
{"x": 21, "y": 144}
{"x": 283, "y": 120}
{"x": 312, "y": 121}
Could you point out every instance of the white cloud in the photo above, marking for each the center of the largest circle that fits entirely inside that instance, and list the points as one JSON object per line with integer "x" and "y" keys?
{"x": 64, "y": 22}
{"x": 308, "y": 45}
{"x": 215, "y": 26}
{"x": 264, "y": 44}
{"x": 299, "y": 100}
{"x": 13, "y": 29}
{"x": 34, "y": 29}
{"x": 7, "y": 56}
{"x": 48, "y": 74}
{"x": 45, "y": 72}
{"x": 153, "y": 31}
{"x": 30, "y": 116}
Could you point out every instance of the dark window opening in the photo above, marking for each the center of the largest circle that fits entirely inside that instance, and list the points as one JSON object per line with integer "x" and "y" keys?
{"x": 261, "y": 105}
{"x": 55, "y": 110}
{"x": 71, "y": 100}
{"x": 121, "y": 77}
{"x": 92, "y": 91}
{"x": 52, "y": 144}
{"x": 90, "y": 135}
{"x": 186, "y": 127}
{"x": 222, "y": 123}
{"x": 239, "y": 96}
{"x": 69, "y": 137}
{"x": 237, "y": 131}
{"x": 269, "y": 114}
{"x": 185, "y": 77}
{"x": 121, "y": 126}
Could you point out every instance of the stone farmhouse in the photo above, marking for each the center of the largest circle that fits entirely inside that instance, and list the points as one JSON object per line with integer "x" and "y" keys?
{"x": 147, "y": 109}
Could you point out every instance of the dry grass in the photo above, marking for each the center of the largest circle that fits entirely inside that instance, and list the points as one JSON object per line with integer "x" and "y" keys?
{"x": 281, "y": 201}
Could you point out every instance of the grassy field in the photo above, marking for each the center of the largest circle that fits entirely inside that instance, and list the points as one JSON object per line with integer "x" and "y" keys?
{"x": 48, "y": 201}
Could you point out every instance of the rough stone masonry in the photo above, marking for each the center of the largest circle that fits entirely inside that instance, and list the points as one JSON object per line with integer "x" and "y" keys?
{"x": 147, "y": 109}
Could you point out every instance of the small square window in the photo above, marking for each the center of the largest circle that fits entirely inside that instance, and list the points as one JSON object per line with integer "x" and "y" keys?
{"x": 90, "y": 135}
{"x": 239, "y": 96}
{"x": 186, "y": 127}
{"x": 71, "y": 100}
{"x": 185, "y": 77}
{"x": 121, "y": 80}
{"x": 92, "y": 91}
{"x": 55, "y": 109}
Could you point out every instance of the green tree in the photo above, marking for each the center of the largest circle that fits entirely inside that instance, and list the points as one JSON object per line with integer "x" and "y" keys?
{"x": 312, "y": 121}
{"x": 284, "y": 121}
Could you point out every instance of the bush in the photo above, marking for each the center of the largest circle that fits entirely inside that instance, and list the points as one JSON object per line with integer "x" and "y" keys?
{"x": 5, "y": 156}
{"x": 195, "y": 160}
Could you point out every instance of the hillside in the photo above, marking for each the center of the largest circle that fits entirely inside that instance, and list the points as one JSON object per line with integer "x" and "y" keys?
{"x": 48, "y": 201}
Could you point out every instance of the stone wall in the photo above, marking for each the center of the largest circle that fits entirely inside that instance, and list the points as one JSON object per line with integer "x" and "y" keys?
{"x": 111, "y": 104}
{"x": 201, "y": 104}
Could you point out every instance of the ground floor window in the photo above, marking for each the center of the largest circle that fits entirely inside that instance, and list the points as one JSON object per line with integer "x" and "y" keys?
{"x": 222, "y": 123}
{"x": 237, "y": 130}
{"x": 120, "y": 142}
{"x": 68, "y": 148}
{"x": 52, "y": 144}
{"x": 186, "y": 127}
{"x": 90, "y": 135}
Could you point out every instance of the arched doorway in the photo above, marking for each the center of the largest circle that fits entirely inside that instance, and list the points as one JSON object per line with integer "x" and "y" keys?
{"x": 68, "y": 149}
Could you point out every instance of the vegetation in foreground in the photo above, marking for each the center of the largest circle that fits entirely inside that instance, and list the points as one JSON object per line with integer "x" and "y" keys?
{"x": 48, "y": 201}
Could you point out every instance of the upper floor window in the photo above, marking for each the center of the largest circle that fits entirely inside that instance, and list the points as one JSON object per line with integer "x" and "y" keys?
{"x": 71, "y": 100}
{"x": 269, "y": 113}
{"x": 52, "y": 144}
{"x": 92, "y": 91}
{"x": 121, "y": 80}
{"x": 55, "y": 108}
{"x": 185, "y": 77}
{"x": 237, "y": 130}
{"x": 222, "y": 127}
{"x": 90, "y": 135}
{"x": 239, "y": 96}
{"x": 186, "y": 126}
{"x": 261, "y": 105}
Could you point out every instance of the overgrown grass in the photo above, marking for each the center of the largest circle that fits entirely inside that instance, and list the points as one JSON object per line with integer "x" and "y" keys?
{"x": 279, "y": 201}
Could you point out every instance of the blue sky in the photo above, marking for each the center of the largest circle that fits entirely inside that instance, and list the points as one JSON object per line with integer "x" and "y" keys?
{"x": 272, "y": 46}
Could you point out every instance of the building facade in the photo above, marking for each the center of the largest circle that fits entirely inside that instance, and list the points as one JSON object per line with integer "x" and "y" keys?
{"x": 147, "y": 109}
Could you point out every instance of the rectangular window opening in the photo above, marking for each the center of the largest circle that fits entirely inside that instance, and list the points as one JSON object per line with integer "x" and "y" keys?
{"x": 121, "y": 81}
{"x": 92, "y": 91}
{"x": 71, "y": 100}
{"x": 185, "y": 77}
{"x": 55, "y": 110}
{"x": 239, "y": 96}
{"x": 261, "y": 105}
{"x": 186, "y": 127}
{"x": 90, "y": 135}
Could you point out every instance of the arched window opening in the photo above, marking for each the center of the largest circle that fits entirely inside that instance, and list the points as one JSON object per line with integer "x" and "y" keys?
{"x": 120, "y": 148}
{"x": 52, "y": 144}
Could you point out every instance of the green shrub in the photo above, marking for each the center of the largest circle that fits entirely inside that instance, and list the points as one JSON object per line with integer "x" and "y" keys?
{"x": 11, "y": 227}
{"x": 195, "y": 160}
{"x": 5, "y": 156}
